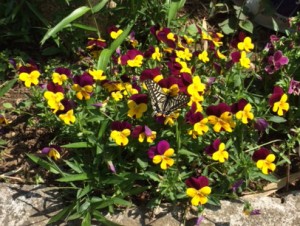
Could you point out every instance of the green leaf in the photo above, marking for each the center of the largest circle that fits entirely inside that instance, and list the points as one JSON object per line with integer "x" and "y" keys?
{"x": 142, "y": 163}
{"x": 83, "y": 191}
{"x": 192, "y": 30}
{"x": 77, "y": 145}
{"x": 99, "y": 6}
{"x": 85, "y": 27}
{"x": 247, "y": 25}
{"x": 87, "y": 220}
{"x": 7, "y": 105}
{"x": 277, "y": 119}
{"x": 226, "y": 26}
{"x": 44, "y": 164}
{"x": 7, "y": 86}
{"x": 66, "y": 21}
{"x": 73, "y": 177}
{"x": 102, "y": 128}
{"x": 175, "y": 5}
{"x": 61, "y": 214}
{"x": 75, "y": 166}
{"x": 103, "y": 220}
{"x": 153, "y": 176}
{"x": 186, "y": 152}
{"x": 275, "y": 25}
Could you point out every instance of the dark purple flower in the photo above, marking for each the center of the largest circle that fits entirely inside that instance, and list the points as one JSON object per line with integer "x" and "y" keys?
{"x": 213, "y": 147}
{"x": 120, "y": 126}
{"x": 236, "y": 185}
{"x": 83, "y": 80}
{"x": 55, "y": 88}
{"x": 276, "y": 95}
{"x": 262, "y": 153}
{"x": 68, "y": 105}
{"x": 64, "y": 71}
{"x": 276, "y": 62}
{"x": 261, "y": 124}
{"x": 150, "y": 74}
{"x": 218, "y": 110}
{"x": 192, "y": 116}
{"x": 239, "y": 106}
{"x": 139, "y": 98}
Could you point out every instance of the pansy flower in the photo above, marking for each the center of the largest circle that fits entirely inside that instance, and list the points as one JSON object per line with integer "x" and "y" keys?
{"x": 96, "y": 44}
{"x": 264, "y": 160}
{"x": 120, "y": 132}
{"x": 154, "y": 53}
{"x": 198, "y": 190}
{"x": 184, "y": 54}
{"x": 143, "y": 133}
{"x": 203, "y": 56}
{"x": 170, "y": 86}
{"x": 165, "y": 35}
{"x": 67, "y": 114}
{"x": 246, "y": 45}
{"x": 294, "y": 87}
{"x": 196, "y": 119}
{"x": 53, "y": 151}
{"x": 83, "y": 86}
{"x": 242, "y": 58}
{"x": 29, "y": 74}
{"x": 60, "y": 75}
{"x": 196, "y": 90}
{"x": 137, "y": 105}
{"x": 278, "y": 101}
{"x": 161, "y": 154}
{"x": 217, "y": 151}
{"x": 114, "y": 32}
{"x": 242, "y": 110}
{"x": 132, "y": 58}
{"x": 276, "y": 61}
{"x": 152, "y": 74}
{"x": 220, "y": 117}
{"x": 97, "y": 75}
{"x": 261, "y": 124}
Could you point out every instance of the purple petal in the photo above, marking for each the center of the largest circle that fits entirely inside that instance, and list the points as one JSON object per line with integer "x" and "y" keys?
{"x": 162, "y": 146}
{"x": 148, "y": 131}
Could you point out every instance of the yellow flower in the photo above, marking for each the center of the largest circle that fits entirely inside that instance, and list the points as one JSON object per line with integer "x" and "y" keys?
{"x": 136, "y": 110}
{"x": 120, "y": 137}
{"x": 117, "y": 95}
{"x": 54, "y": 100}
{"x": 31, "y": 78}
{"x": 221, "y": 154}
{"x": 97, "y": 75}
{"x": 157, "y": 54}
{"x": 203, "y": 56}
{"x": 225, "y": 122}
{"x": 198, "y": 196}
{"x": 266, "y": 164}
{"x": 68, "y": 117}
{"x": 245, "y": 114}
{"x": 136, "y": 62}
{"x": 59, "y": 78}
{"x": 164, "y": 160}
{"x": 53, "y": 153}
{"x": 116, "y": 34}
{"x": 184, "y": 54}
{"x": 201, "y": 127}
{"x": 281, "y": 106}
{"x": 244, "y": 60}
{"x": 246, "y": 45}
{"x": 83, "y": 92}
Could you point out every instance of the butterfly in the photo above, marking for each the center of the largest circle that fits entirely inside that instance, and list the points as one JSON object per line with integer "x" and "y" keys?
{"x": 164, "y": 104}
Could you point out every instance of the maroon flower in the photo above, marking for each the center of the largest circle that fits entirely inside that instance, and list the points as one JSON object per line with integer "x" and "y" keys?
{"x": 276, "y": 96}
{"x": 239, "y": 106}
{"x": 261, "y": 124}
{"x": 55, "y": 88}
{"x": 83, "y": 80}
{"x": 218, "y": 110}
{"x": 262, "y": 153}
{"x": 150, "y": 74}
{"x": 139, "y": 98}
{"x": 197, "y": 182}
{"x": 130, "y": 55}
{"x": 96, "y": 44}
{"x": 192, "y": 116}
{"x": 213, "y": 147}
{"x": 120, "y": 126}
{"x": 64, "y": 71}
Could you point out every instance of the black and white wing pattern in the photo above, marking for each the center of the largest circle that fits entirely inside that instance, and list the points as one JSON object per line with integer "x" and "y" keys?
{"x": 162, "y": 103}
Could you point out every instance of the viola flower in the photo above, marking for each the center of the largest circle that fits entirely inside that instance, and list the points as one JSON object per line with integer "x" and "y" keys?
{"x": 152, "y": 74}
{"x": 167, "y": 120}
{"x": 264, "y": 160}
{"x": 193, "y": 115}
{"x": 184, "y": 54}
{"x": 165, "y": 35}
{"x": 217, "y": 151}
{"x": 60, "y": 75}
{"x": 143, "y": 132}
{"x": 120, "y": 132}
{"x": 196, "y": 90}
{"x": 188, "y": 40}
{"x": 246, "y": 45}
{"x": 200, "y": 128}
{"x": 221, "y": 117}
{"x": 198, "y": 190}
{"x": 30, "y": 77}
{"x": 67, "y": 114}
{"x": 170, "y": 86}
{"x": 96, "y": 44}
{"x": 156, "y": 55}
{"x": 183, "y": 66}
{"x": 203, "y": 56}
{"x": 294, "y": 87}
{"x": 242, "y": 58}
{"x": 137, "y": 105}
{"x": 97, "y": 75}
{"x": 161, "y": 154}
{"x": 221, "y": 55}
{"x": 242, "y": 111}
{"x": 278, "y": 101}
{"x": 133, "y": 58}
{"x": 114, "y": 32}
{"x": 83, "y": 86}
{"x": 53, "y": 151}
{"x": 54, "y": 100}
{"x": 261, "y": 124}
{"x": 276, "y": 61}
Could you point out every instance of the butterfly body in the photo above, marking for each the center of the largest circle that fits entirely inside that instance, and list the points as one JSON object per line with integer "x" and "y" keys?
{"x": 164, "y": 104}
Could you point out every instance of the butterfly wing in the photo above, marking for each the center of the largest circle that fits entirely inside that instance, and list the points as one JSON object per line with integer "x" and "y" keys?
{"x": 174, "y": 103}
{"x": 157, "y": 97}
{"x": 162, "y": 103}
